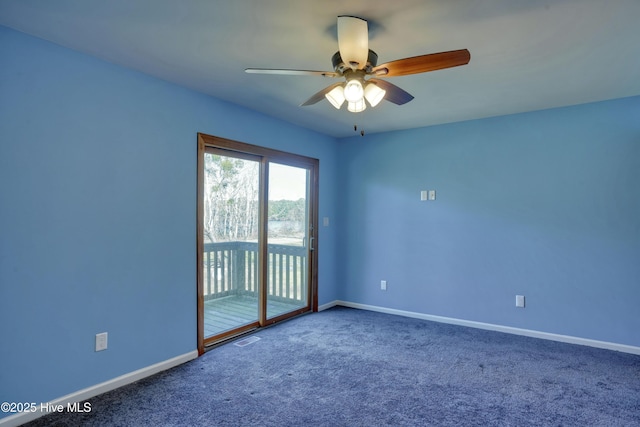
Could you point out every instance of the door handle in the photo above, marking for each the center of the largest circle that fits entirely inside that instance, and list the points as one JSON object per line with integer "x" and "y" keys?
{"x": 311, "y": 239}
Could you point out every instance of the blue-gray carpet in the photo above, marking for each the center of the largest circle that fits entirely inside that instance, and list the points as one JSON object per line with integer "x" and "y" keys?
{"x": 347, "y": 367}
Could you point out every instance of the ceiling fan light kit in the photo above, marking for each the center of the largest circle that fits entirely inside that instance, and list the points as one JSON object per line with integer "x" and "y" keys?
{"x": 353, "y": 90}
{"x": 355, "y": 61}
{"x": 336, "y": 96}
{"x": 354, "y": 94}
{"x": 357, "y": 106}
{"x": 374, "y": 94}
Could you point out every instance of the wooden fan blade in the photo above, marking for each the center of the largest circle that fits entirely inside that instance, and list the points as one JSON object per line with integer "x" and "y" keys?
{"x": 320, "y": 95}
{"x": 423, "y": 63}
{"x": 291, "y": 72}
{"x": 394, "y": 93}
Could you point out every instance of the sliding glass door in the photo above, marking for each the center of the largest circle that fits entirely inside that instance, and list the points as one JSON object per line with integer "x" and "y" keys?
{"x": 256, "y": 235}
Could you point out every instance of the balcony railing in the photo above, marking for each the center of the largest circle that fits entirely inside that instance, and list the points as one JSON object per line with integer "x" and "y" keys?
{"x": 231, "y": 268}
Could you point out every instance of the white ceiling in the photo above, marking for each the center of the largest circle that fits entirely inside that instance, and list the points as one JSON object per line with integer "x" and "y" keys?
{"x": 525, "y": 54}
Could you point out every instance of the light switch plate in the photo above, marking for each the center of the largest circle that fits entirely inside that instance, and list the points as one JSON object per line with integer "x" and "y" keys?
{"x": 101, "y": 341}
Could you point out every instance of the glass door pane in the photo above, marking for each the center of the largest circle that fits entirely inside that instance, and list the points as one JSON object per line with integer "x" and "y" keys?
{"x": 230, "y": 237}
{"x": 287, "y": 239}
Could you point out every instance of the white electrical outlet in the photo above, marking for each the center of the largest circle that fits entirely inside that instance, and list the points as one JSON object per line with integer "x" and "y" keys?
{"x": 520, "y": 301}
{"x": 383, "y": 285}
{"x": 101, "y": 341}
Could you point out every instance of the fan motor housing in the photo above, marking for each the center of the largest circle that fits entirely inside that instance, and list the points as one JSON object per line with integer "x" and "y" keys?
{"x": 340, "y": 67}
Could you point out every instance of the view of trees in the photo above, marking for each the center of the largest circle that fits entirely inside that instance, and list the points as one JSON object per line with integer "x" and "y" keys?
{"x": 231, "y": 201}
{"x": 286, "y": 210}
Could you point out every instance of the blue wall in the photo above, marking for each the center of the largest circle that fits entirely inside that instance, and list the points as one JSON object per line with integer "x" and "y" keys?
{"x": 98, "y": 214}
{"x": 543, "y": 204}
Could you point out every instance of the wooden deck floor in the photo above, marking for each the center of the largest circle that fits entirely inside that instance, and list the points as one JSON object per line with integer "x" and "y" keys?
{"x": 223, "y": 314}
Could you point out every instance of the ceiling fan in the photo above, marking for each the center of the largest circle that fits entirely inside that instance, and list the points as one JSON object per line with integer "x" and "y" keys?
{"x": 358, "y": 65}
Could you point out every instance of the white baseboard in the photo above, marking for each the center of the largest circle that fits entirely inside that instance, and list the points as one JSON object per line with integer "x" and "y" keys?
{"x": 327, "y": 305}
{"x": 499, "y": 328}
{"x": 87, "y": 393}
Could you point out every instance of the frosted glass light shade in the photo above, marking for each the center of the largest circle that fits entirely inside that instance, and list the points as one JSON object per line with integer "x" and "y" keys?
{"x": 374, "y": 94}
{"x": 353, "y": 41}
{"x": 336, "y": 96}
{"x": 353, "y": 91}
{"x": 358, "y": 106}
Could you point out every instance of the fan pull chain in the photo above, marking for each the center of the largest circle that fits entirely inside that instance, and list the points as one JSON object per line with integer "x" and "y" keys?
{"x": 355, "y": 129}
